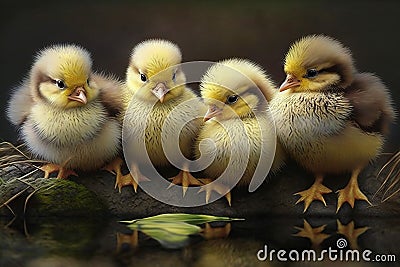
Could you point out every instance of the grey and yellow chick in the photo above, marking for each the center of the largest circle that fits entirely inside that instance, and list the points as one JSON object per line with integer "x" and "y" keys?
{"x": 237, "y": 92}
{"x": 65, "y": 113}
{"x": 330, "y": 118}
{"x": 158, "y": 104}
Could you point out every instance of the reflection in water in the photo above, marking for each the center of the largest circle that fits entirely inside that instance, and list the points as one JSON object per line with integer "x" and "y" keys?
{"x": 131, "y": 241}
{"x": 216, "y": 232}
{"x": 67, "y": 242}
{"x": 352, "y": 234}
{"x": 315, "y": 234}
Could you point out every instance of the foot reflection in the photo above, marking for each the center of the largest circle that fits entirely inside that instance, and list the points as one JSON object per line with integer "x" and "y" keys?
{"x": 315, "y": 235}
{"x": 351, "y": 233}
{"x": 216, "y": 232}
{"x": 130, "y": 240}
{"x": 318, "y": 234}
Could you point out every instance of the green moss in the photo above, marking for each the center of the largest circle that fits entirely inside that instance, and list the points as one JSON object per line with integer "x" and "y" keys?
{"x": 49, "y": 197}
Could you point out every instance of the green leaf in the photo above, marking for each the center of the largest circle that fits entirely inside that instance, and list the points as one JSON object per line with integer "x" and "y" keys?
{"x": 183, "y": 217}
{"x": 166, "y": 238}
{"x": 168, "y": 234}
{"x": 179, "y": 228}
{"x": 173, "y": 230}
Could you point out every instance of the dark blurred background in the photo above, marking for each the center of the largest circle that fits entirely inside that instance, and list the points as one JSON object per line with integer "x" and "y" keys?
{"x": 259, "y": 30}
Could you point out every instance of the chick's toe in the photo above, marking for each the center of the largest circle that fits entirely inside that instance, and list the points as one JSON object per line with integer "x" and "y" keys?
{"x": 186, "y": 179}
{"x": 63, "y": 173}
{"x": 133, "y": 178}
{"x": 212, "y": 185}
{"x": 315, "y": 192}
{"x": 114, "y": 166}
{"x": 351, "y": 192}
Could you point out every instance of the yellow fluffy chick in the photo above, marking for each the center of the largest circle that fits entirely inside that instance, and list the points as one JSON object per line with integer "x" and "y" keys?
{"x": 330, "y": 118}
{"x": 65, "y": 113}
{"x": 237, "y": 92}
{"x": 156, "y": 87}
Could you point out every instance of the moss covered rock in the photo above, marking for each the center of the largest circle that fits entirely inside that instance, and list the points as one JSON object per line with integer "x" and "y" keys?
{"x": 49, "y": 197}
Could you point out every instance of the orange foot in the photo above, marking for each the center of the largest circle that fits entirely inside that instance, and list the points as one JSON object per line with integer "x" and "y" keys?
{"x": 63, "y": 173}
{"x": 114, "y": 166}
{"x": 132, "y": 240}
{"x": 351, "y": 192}
{"x": 184, "y": 178}
{"x": 315, "y": 235}
{"x": 217, "y": 187}
{"x": 133, "y": 178}
{"x": 216, "y": 232}
{"x": 124, "y": 180}
{"x": 315, "y": 192}
{"x": 351, "y": 233}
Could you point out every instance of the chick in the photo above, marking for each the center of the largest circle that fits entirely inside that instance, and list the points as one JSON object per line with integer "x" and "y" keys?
{"x": 236, "y": 92}
{"x": 159, "y": 103}
{"x": 65, "y": 113}
{"x": 330, "y": 118}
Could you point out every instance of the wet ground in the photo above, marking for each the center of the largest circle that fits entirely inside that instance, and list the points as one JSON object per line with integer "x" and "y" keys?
{"x": 73, "y": 232}
{"x": 105, "y": 242}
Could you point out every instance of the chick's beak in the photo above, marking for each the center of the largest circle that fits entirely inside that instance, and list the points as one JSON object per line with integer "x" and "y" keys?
{"x": 160, "y": 90}
{"x": 79, "y": 94}
{"x": 291, "y": 81}
{"x": 212, "y": 111}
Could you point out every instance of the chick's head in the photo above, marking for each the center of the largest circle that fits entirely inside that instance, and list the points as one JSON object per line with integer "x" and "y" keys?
{"x": 316, "y": 63}
{"x": 61, "y": 76}
{"x": 235, "y": 88}
{"x": 153, "y": 73}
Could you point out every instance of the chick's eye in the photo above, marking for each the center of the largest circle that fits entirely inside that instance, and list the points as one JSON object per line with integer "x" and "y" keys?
{"x": 143, "y": 77}
{"x": 311, "y": 73}
{"x": 87, "y": 81}
{"x": 232, "y": 99}
{"x": 60, "y": 84}
{"x": 174, "y": 76}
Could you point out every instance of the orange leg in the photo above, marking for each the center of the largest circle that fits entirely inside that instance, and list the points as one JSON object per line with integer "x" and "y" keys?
{"x": 63, "y": 173}
{"x": 351, "y": 192}
{"x": 124, "y": 180}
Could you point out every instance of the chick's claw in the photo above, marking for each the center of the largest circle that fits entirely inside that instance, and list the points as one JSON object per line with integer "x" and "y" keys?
{"x": 217, "y": 187}
{"x": 349, "y": 194}
{"x": 315, "y": 192}
{"x": 63, "y": 173}
{"x": 133, "y": 178}
{"x": 125, "y": 180}
{"x": 114, "y": 166}
{"x": 186, "y": 179}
